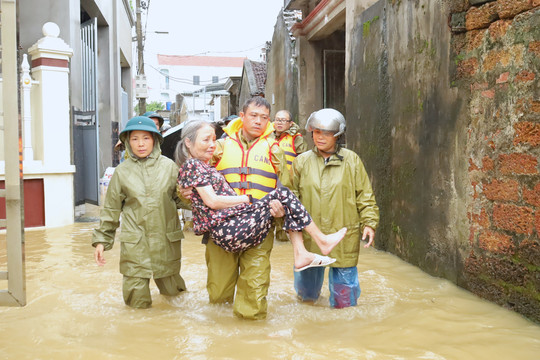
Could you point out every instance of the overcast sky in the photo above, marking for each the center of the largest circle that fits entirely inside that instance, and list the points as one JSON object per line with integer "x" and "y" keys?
{"x": 210, "y": 27}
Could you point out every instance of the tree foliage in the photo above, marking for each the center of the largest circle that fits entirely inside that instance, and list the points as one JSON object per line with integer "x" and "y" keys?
{"x": 151, "y": 106}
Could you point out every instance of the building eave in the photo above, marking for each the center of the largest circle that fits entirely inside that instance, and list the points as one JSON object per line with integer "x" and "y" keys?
{"x": 327, "y": 17}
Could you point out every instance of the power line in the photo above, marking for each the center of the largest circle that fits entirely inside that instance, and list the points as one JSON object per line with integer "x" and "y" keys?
{"x": 213, "y": 52}
{"x": 226, "y": 52}
{"x": 181, "y": 80}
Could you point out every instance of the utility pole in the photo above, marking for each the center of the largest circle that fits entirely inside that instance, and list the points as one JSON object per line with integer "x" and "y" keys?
{"x": 140, "y": 53}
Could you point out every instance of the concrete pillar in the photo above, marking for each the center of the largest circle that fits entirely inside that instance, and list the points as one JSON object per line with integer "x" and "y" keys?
{"x": 50, "y": 66}
{"x": 26, "y": 88}
{"x": 51, "y": 122}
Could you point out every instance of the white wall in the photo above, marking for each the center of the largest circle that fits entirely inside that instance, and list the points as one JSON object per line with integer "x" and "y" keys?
{"x": 181, "y": 79}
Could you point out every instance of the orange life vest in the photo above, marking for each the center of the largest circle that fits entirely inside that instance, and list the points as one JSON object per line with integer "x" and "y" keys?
{"x": 249, "y": 172}
{"x": 287, "y": 144}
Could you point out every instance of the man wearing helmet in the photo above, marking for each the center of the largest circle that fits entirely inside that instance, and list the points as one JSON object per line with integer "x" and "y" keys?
{"x": 333, "y": 185}
{"x": 291, "y": 141}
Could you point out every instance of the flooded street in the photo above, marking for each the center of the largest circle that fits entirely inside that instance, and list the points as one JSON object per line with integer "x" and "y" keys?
{"x": 75, "y": 311}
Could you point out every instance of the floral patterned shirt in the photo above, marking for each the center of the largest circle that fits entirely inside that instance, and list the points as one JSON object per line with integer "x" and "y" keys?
{"x": 195, "y": 173}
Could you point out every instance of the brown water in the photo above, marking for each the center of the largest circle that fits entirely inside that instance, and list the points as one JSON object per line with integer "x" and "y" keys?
{"x": 75, "y": 311}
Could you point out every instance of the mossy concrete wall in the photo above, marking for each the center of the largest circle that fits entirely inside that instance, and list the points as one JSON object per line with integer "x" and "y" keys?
{"x": 281, "y": 78}
{"x": 446, "y": 122}
{"x": 404, "y": 121}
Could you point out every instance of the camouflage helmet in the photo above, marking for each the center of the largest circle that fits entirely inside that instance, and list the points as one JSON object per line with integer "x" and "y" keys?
{"x": 153, "y": 114}
{"x": 327, "y": 120}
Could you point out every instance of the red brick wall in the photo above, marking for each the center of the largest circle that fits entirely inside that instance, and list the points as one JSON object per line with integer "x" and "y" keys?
{"x": 498, "y": 61}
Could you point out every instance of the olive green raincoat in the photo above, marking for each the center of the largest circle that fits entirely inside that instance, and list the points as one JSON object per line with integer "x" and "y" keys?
{"x": 248, "y": 271}
{"x": 336, "y": 194}
{"x": 144, "y": 192}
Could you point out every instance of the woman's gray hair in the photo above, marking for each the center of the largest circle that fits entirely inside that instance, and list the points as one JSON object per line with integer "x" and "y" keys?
{"x": 189, "y": 131}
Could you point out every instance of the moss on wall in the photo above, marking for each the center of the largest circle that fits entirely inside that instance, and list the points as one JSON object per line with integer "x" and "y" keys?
{"x": 403, "y": 123}
{"x": 367, "y": 25}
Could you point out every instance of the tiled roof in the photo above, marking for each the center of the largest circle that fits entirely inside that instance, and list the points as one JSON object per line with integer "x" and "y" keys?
{"x": 189, "y": 60}
{"x": 259, "y": 72}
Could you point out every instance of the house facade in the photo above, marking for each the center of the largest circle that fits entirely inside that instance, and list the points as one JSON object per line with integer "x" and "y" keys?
{"x": 80, "y": 58}
{"x": 195, "y": 78}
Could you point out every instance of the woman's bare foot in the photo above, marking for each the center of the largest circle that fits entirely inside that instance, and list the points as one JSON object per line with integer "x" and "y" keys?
{"x": 312, "y": 260}
{"x": 329, "y": 242}
{"x": 303, "y": 259}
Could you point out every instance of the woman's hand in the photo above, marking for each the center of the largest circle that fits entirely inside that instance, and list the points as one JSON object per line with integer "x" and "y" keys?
{"x": 98, "y": 255}
{"x": 185, "y": 192}
{"x": 276, "y": 209}
{"x": 368, "y": 233}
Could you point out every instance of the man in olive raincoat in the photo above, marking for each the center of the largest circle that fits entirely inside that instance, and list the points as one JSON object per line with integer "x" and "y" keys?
{"x": 143, "y": 190}
{"x": 333, "y": 185}
{"x": 251, "y": 162}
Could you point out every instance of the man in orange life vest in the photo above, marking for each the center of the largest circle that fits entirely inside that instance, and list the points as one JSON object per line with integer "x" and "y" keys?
{"x": 252, "y": 162}
{"x": 291, "y": 141}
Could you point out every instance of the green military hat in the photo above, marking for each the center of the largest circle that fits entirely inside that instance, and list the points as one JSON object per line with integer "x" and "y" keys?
{"x": 143, "y": 123}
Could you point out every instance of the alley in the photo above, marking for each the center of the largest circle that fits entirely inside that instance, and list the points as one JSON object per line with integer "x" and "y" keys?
{"x": 75, "y": 311}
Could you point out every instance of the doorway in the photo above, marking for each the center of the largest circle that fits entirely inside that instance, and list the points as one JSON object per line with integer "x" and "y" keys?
{"x": 334, "y": 79}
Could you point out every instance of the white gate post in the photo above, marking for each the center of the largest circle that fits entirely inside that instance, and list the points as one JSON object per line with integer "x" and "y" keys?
{"x": 52, "y": 132}
{"x": 50, "y": 66}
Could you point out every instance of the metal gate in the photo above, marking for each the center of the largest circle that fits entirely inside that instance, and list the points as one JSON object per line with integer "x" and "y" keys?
{"x": 85, "y": 121}
{"x": 15, "y": 295}
{"x": 125, "y": 110}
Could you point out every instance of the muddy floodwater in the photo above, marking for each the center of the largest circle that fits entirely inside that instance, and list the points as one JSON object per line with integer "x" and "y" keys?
{"x": 75, "y": 311}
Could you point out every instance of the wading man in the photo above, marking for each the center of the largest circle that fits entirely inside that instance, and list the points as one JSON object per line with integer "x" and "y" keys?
{"x": 251, "y": 162}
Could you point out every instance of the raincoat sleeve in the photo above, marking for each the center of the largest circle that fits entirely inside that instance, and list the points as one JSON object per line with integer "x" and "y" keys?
{"x": 368, "y": 210}
{"x": 300, "y": 145}
{"x": 110, "y": 214}
{"x": 218, "y": 153}
{"x": 280, "y": 163}
{"x": 295, "y": 176}
{"x": 181, "y": 202}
